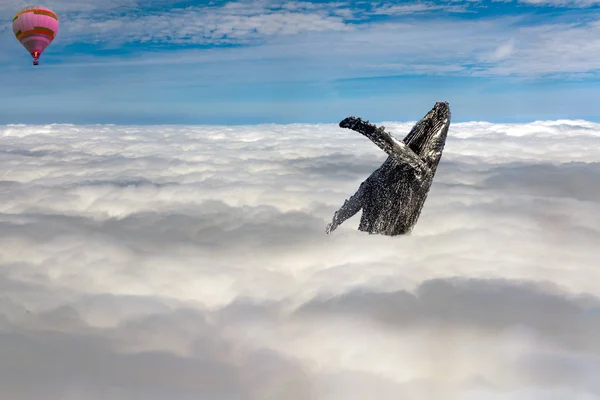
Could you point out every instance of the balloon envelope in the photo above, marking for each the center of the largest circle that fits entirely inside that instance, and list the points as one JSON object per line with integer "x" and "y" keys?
{"x": 35, "y": 27}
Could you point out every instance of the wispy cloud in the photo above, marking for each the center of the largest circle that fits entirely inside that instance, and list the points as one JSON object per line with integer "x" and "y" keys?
{"x": 562, "y": 3}
{"x": 9, "y": 7}
{"x": 232, "y": 22}
{"x": 393, "y": 9}
{"x": 503, "y": 51}
{"x": 506, "y": 47}
{"x": 550, "y": 48}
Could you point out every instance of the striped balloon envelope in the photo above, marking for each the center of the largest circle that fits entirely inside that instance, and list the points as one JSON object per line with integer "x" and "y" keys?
{"x": 35, "y": 27}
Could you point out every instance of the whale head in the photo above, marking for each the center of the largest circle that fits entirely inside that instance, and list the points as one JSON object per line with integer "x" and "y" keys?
{"x": 428, "y": 137}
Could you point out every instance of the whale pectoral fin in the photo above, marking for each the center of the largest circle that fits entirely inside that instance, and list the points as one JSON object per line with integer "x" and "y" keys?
{"x": 350, "y": 207}
{"x": 398, "y": 150}
{"x": 404, "y": 155}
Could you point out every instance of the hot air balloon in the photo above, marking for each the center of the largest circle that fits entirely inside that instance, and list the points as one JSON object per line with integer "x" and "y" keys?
{"x": 35, "y": 27}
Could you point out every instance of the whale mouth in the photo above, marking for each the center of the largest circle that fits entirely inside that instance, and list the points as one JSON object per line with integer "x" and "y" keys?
{"x": 441, "y": 109}
{"x": 431, "y": 131}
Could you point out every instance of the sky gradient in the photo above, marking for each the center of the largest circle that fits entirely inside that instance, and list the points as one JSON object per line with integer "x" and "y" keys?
{"x": 218, "y": 62}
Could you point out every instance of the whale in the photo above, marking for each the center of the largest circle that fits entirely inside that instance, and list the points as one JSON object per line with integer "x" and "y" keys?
{"x": 392, "y": 197}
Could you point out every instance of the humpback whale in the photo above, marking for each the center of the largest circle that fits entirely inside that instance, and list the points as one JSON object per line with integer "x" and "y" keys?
{"x": 392, "y": 197}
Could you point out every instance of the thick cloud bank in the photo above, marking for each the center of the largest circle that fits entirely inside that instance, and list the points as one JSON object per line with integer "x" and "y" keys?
{"x": 192, "y": 263}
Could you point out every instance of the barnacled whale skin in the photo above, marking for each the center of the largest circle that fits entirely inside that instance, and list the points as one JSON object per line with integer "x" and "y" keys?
{"x": 392, "y": 197}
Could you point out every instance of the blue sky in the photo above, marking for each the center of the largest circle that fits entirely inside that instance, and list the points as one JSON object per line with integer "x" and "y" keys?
{"x": 223, "y": 62}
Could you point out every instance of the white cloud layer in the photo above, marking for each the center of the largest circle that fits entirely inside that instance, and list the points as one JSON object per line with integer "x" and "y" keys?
{"x": 191, "y": 262}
